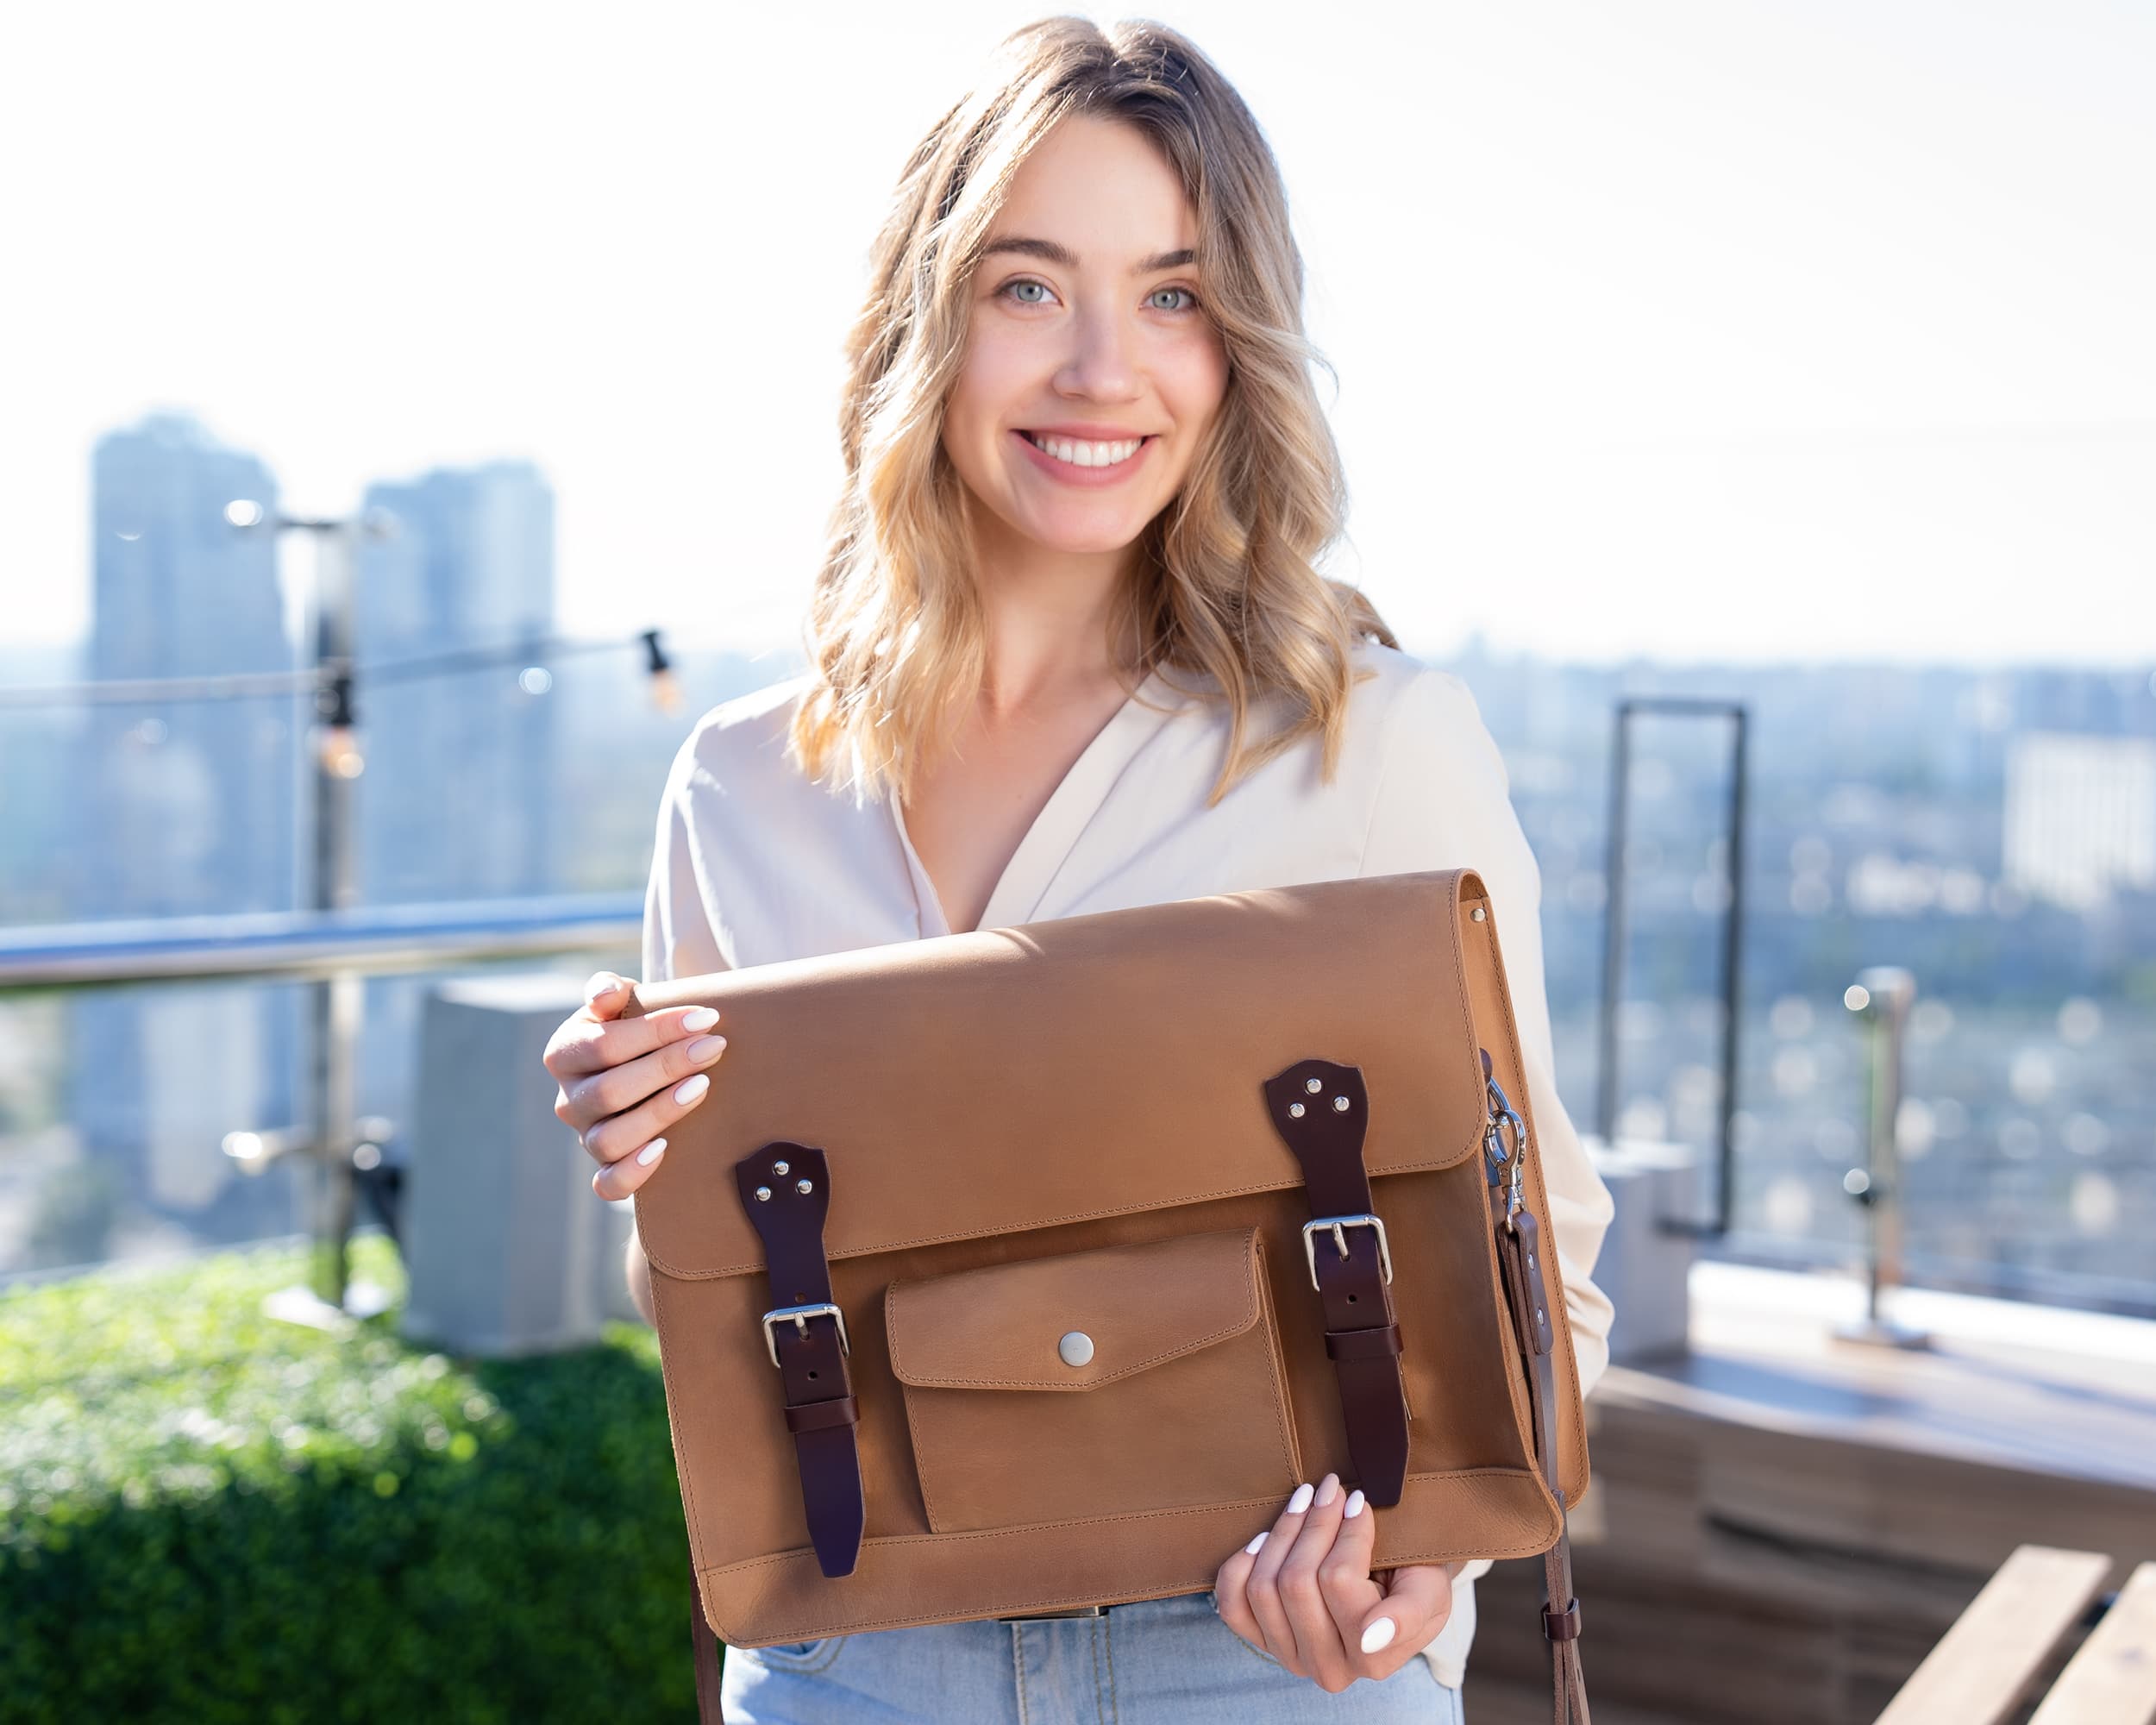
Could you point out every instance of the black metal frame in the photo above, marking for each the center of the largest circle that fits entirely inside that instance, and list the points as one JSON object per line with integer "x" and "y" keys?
{"x": 1614, "y": 931}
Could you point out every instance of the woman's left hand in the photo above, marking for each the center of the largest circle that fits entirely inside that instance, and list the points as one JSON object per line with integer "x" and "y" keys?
{"x": 1302, "y": 1591}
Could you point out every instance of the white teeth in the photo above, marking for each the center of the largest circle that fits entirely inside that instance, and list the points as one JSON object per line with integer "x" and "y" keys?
{"x": 1080, "y": 454}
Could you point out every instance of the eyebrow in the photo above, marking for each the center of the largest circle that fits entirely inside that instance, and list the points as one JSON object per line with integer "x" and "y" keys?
{"x": 1052, "y": 252}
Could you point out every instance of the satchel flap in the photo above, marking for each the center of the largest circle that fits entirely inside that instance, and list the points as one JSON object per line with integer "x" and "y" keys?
{"x": 1087, "y": 1066}
{"x": 1126, "y": 1308}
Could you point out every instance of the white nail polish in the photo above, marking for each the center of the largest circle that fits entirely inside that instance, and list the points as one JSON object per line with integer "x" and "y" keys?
{"x": 703, "y": 1018}
{"x": 689, "y": 1089}
{"x": 1379, "y": 1635}
{"x": 1301, "y": 1500}
{"x": 1354, "y": 1504}
{"x": 1253, "y": 1547}
{"x": 652, "y": 1151}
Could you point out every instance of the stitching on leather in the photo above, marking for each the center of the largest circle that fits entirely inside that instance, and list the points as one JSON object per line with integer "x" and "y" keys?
{"x": 1272, "y": 1363}
{"x": 1130, "y": 1515}
{"x": 688, "y": 1489}
{"x": 1236, "y": 1329}
{"x": 1530, "y": 1547}
{"x": 1515, "y": 1391}
{"x": 1255, "y": 1275}
{"x": 1055, "y": 1601}
{"x": 1431, "y": 1165}
{"x": 1015, "y": 1607}
{"x": 913, "y": 1430}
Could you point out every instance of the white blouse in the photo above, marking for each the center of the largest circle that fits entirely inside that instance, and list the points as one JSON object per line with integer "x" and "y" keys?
{"x": 753, "y": 863}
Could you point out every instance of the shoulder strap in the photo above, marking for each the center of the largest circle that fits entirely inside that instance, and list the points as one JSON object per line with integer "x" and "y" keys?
{"x": 1519, "y": 1249}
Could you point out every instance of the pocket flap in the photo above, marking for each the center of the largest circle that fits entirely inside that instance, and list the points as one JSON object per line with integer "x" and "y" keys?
{"x": 1001, "y": 1326}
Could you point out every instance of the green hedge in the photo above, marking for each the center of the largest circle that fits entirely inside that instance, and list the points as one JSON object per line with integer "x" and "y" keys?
{"x": 209, "y": 1516}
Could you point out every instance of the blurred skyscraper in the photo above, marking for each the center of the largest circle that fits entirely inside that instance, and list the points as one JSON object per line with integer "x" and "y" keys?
{"x": 459, "y": 797}
{"x": 2081, "y": 816}
{"x": 180, "y": 808}
{"x": 455, "y": 801}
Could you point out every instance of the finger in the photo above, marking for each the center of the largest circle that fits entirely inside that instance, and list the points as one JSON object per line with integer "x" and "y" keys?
{"x": 1417, "y": 1606}
{"x": 1231, "y": 1595}
{"x": 632, "y": 1104}
{"x": 1276, "y": 1635}
{"x": 684, "y": 1041}
{"x": 1317, "y": 1642}
{"x": 1344, "y": 1578}
{"x": 604, "y": 995}
{"x": 621, "y": 1179}
{"x": 586, "y": 1043}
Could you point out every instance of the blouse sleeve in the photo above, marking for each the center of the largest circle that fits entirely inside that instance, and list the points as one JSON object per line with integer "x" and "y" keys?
{"x": 1443, "y": 801}
{"x": 679, "y": 939}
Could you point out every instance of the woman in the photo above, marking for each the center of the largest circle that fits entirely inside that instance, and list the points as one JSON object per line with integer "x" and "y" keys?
{"x": 1069, "y": 653}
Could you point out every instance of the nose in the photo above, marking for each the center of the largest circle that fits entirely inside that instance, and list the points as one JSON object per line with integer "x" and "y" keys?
{"x": 1101, "y": 366}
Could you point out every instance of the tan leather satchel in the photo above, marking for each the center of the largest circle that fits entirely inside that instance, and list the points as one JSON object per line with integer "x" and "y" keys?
{"x": 1026, "y": 1271}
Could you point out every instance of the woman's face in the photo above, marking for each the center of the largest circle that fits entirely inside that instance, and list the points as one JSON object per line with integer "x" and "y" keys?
{"x": 1092, "y": 371}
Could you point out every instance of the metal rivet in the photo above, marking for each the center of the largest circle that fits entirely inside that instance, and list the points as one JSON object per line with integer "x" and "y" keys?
{"x": 1313, "y": 1085}
{"x": 1538, "y": 1314}
{"x": 1339, "y": 1105}
{"x": 1075, "y": 1348}
{"x": 804, "y": 1187}
{"x": 1294, "y": 1110}
{"x": 763, "y": 1195}
{"x": 1530, "y": 1260}
{"x": 779, "y": 1169}
{"x": 1477, "y": 913}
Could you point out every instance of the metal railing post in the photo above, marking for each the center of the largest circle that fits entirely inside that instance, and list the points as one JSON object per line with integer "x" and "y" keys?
{"x": 1881, "y": 999}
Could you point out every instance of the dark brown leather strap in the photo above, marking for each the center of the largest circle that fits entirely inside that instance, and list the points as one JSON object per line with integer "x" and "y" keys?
{"x": 1520, "y": 1258}
{"x": 786, "y": 1189}
{"x": 704, "y": 1643}
{"x": 1321, "y": 1110}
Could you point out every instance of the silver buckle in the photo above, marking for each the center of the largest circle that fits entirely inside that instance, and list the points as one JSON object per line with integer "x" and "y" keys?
{"x": 1339, "y": 1226}
{"x": 801, "y": 1314}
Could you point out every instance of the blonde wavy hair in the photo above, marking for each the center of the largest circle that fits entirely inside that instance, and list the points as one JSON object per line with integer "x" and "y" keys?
{"x": 1224, "y": 583}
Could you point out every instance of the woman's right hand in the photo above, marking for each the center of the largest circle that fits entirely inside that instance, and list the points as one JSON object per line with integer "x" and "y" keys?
{"x": 626, "y": 1082}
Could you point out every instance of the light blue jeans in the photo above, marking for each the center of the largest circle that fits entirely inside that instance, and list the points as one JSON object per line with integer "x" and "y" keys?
{"x": 1157, "y": 1662}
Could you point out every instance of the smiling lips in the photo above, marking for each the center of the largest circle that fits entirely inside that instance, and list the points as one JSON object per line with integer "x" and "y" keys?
{"x": 1085, "y": 455}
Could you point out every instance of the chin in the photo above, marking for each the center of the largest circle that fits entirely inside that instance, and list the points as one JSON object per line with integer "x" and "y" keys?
{"x": 1090, "y": 539}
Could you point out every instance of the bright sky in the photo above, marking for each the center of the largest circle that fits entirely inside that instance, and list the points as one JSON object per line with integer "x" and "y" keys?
{"x": 1685, "y": 329}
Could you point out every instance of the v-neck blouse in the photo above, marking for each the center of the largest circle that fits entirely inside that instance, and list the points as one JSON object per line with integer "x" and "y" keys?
{"x": 752, "y": 864}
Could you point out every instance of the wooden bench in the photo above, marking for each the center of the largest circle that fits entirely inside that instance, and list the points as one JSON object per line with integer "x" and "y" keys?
{"x": 1981, "y": 1669}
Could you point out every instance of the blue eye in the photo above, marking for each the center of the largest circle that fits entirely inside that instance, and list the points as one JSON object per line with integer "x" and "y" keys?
{"x": 1189, "y": 299}
{"x": 1015, "y": 289}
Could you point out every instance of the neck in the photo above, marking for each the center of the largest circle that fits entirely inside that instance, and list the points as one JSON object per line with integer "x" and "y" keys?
{"x": 1051, "y": 618}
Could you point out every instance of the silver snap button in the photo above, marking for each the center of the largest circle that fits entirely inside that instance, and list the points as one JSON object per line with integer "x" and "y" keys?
{"x": 1313, "y": 1085}
{"x": 1294, "y": 1110}
{"x": 763, "y": 1195}
{"x": 1076, "y": 1348}
{"x": 805, "y": 1186}
{"x": 1339, "y": 1105}
{"x": 779, "y": 1169}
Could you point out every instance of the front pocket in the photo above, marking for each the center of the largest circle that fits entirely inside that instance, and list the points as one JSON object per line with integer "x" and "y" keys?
{"x": 1095, "y": 1384}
